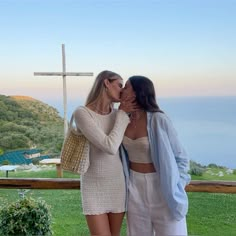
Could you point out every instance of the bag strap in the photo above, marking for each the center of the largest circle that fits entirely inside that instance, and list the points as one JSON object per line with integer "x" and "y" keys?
{"x": 71, "y": 121}
{"x": 70, "y": 127}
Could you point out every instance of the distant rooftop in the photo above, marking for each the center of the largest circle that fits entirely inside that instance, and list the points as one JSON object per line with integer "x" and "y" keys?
{"x": 17, "y": 157}
{"x": 32, "y": 151}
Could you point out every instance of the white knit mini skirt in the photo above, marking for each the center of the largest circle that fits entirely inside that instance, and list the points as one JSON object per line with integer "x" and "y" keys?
{"x": 103, "y": 194}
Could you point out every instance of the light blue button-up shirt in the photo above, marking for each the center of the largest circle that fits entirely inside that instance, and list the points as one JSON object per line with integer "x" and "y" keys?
{"x": 171, "y": 161}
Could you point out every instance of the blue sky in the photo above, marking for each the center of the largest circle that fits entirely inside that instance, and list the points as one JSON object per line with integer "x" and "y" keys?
{"x": 186, "y": 47}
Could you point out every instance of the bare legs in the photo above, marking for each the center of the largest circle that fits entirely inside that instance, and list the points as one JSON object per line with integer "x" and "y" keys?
{"x": 115, "y": 222}
{"x": 105, "y": 224}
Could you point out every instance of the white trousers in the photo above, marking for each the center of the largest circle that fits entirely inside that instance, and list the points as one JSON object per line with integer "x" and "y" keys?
{"x": 148, "y": 213}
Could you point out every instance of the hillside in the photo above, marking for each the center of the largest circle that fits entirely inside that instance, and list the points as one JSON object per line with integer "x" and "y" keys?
{"x": 26, "y": 122}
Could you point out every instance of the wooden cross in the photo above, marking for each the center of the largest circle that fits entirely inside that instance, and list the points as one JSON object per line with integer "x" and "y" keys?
{"x": 64, "y": 74}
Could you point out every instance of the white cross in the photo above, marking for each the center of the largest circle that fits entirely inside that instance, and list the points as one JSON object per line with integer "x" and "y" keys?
{"x": 64, "y": 74}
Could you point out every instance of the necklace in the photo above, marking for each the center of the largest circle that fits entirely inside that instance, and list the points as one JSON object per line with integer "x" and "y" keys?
{"x": 136, "y": 116}
{"x": 99, "y": 111}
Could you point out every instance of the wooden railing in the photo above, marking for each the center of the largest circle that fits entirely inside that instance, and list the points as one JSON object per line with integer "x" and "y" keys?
{"x": 211, "y": 186}
{"x": 60, "y": 183}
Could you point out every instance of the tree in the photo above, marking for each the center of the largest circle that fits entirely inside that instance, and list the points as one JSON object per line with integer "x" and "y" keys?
{"x": 1, "y": 151}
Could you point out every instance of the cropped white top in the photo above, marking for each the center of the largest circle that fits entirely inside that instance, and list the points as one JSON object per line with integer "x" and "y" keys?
{"x": 138, "y": 149}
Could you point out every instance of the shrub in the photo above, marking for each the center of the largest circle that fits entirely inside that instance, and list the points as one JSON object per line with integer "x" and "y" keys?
{"x": 195, "y": 164}
{"x": 25, "y": 217}
{"x": 36, "y": 161}
{"x": 1, "y": 151}
{"x": 212, "y": 165}
{"x": 196, "y": 171}
{"x": 234, "y": 172}
{"x": 5, "y": 162}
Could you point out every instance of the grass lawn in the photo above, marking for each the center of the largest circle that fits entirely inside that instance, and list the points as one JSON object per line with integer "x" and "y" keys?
{"x": 209, "y": 214}
{"x": 215, "y": 174}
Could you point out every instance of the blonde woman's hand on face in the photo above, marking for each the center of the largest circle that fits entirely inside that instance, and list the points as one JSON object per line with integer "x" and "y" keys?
{"x": 128, "y": 104}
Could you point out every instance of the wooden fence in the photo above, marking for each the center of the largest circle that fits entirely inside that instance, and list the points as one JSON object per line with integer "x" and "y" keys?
{"x": 60, "y": 183}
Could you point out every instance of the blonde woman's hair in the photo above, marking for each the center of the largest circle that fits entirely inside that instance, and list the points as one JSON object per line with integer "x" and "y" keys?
{"x": 98, "y": 86}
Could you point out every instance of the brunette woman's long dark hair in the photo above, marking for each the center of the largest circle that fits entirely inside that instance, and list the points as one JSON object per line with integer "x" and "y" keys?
{"x": 145, "y": 93}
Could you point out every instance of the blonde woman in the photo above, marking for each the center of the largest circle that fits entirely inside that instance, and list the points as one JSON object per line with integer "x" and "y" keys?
{"x": 103, "y": 185}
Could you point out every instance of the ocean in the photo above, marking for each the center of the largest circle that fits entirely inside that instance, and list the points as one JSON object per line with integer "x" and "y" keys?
{"x": 206, "y": 126}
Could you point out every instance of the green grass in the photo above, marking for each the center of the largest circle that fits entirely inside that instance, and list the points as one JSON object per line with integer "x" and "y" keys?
{"x": 37, "y": 174}
{"x": 212, "y": 174}
{"x": 209, "y": 214}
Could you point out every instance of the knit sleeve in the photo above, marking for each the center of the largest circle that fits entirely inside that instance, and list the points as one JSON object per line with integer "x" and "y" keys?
{"x": 106, "y": 142}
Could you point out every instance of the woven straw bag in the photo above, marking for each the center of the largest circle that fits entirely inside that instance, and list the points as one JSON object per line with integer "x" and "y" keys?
{"x": 75, "y": 151}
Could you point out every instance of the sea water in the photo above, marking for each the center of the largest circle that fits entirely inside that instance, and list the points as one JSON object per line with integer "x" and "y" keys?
{"x": 206, "y": 126}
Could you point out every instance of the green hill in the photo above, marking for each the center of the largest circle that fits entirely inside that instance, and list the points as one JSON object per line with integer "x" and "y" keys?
{"x": 26, "y": 122}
